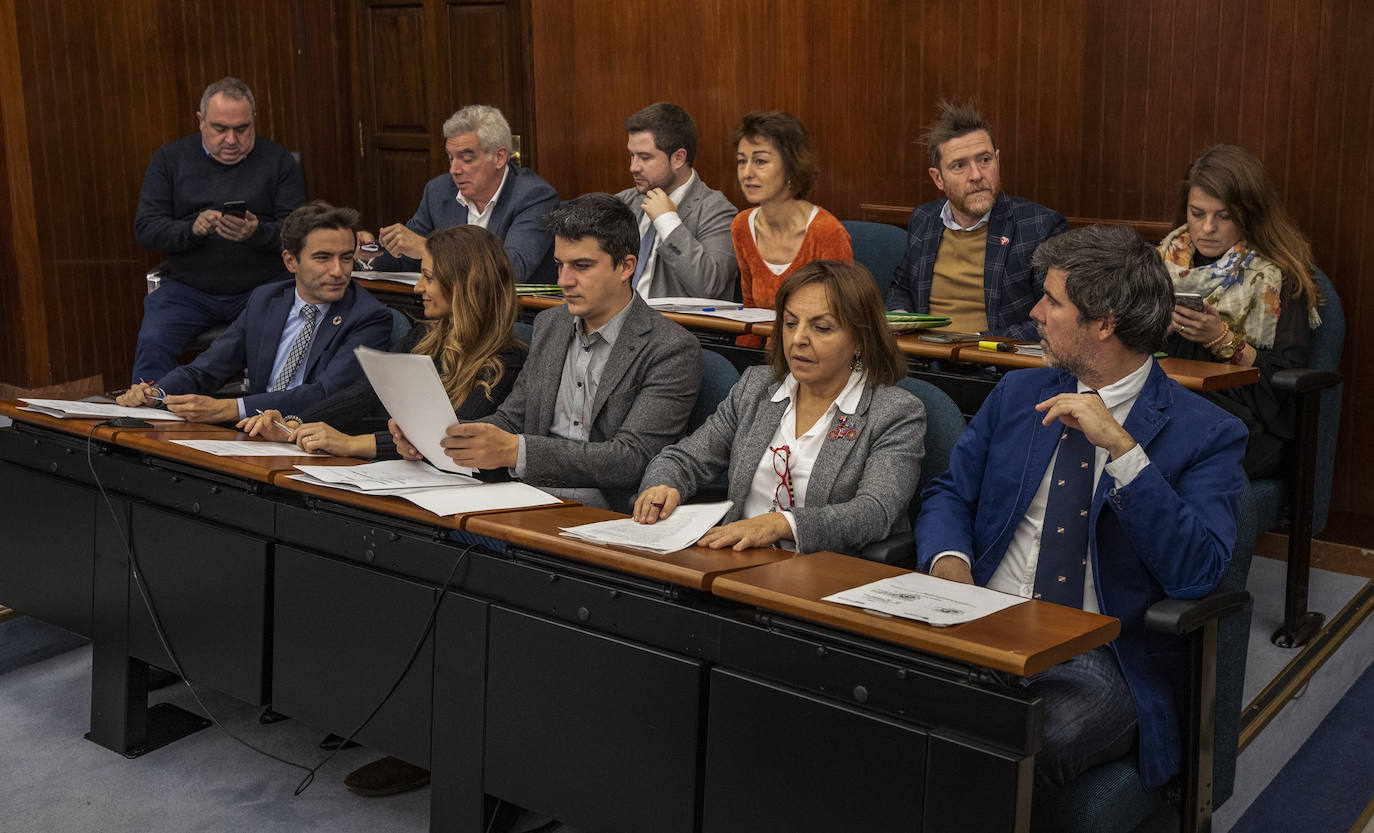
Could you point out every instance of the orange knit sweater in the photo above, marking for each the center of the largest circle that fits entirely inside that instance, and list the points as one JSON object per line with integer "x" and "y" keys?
{"x": 825, "y": 239}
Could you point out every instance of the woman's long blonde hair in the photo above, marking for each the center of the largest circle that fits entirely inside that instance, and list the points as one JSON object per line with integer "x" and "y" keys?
{"x": 472, "y": 270}
{"x": 1233, "y": 175}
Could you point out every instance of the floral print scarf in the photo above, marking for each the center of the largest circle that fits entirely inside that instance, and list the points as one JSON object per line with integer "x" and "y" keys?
{"x": 1243, "y": 286}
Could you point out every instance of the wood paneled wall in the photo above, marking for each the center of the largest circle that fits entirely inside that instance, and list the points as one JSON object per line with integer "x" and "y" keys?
{"x": 102, "y": 86}
{"x": 1098, "y": 106}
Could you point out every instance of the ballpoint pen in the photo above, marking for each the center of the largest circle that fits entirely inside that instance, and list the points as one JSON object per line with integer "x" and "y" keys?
{"x": 275, "y": 422}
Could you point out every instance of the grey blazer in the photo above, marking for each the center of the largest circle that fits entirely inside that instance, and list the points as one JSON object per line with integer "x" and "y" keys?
{"x": 645, "y": 395}
{"x": 698, "y": 259}
{"x": 858, "y": 490}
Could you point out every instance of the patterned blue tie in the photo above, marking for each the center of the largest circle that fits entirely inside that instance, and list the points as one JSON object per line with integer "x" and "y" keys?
{"x": 1064, "y": 536}
{"x": 646, "y": 247}
{"x": 300, "y": 348}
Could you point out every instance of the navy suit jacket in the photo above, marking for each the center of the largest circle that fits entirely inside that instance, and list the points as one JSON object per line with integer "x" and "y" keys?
{"x": 518, "y": 219}
{"x": 1169, "y": 532}
{"x": 1010, "y": 287}
{"x": 250, "y": 343}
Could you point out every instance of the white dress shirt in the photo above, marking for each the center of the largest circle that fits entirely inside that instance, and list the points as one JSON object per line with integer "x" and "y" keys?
{"x": 483, "y": 217}
{"x": 665, "y": 225}
{"x": 1016, "y": 572}
{"x": 802, "y": 450}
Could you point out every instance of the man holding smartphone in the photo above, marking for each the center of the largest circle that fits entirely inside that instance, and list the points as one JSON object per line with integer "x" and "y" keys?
{"x": 214, "y": 201}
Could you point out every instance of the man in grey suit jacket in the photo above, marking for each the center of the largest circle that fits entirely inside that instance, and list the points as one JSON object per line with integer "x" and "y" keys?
{"x": 684, "y": 225}
{"x": 482, "y": 187}
{"x": 608, "y": 382}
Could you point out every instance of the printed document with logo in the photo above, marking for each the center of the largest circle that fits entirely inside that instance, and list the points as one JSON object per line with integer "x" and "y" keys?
{"x": 926, "y": 598}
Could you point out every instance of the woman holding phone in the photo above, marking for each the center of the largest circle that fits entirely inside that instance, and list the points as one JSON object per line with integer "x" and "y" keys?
{"x": 467, "y": 286}
{"x": 1246, "y": 291}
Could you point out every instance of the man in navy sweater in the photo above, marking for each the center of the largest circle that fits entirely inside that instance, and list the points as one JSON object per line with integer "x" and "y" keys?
{"x": 217, "y": 252}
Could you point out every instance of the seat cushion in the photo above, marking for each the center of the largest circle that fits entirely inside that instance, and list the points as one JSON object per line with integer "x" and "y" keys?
{"x": 1108, "y": 797}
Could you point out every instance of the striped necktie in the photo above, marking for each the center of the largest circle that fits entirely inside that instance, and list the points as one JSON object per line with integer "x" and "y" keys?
{"x": 300, "y": 348}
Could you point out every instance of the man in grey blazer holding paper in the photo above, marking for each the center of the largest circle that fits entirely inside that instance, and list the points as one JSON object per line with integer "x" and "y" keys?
{"x": 608, "y": 381}
{"x": 684, "y": 225}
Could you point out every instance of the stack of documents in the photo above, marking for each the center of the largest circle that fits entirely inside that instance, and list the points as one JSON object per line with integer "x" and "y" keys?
{"x": 442, "y": 493}
{"x": 926, "y": 598}
{"x": 72, "y": 409}
{"x": 1030, "y": 349}
{"x": 677, "y": 532}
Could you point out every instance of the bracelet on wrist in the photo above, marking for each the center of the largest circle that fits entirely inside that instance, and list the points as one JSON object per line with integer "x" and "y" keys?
{"x": 1221, "y": 336}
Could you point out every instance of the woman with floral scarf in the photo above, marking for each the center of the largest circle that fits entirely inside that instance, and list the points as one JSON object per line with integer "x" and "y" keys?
{"x": 1238, "y": 248}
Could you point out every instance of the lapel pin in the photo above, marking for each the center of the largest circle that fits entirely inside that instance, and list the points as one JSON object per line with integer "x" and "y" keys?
{"x": 1005, "y": 240}
{"x": 338, "y": 319}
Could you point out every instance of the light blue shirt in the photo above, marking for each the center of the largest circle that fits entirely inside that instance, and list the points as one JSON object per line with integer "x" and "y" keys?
{"x": 947, "y": 217}
{"x": 294, "y": 322}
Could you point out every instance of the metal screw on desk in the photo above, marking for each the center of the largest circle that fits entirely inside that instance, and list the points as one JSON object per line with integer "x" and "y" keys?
{"x": 860, "y": 694}
{"x": 583, "y": 614}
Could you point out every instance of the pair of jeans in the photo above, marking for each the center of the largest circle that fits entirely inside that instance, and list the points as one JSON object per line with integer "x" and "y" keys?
{"x": 173, "y": 317}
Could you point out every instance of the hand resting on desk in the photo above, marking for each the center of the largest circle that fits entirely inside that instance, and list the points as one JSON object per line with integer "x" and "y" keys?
{"x": 267, "y": 425}
{"x": 658, "y": 502}
{"x": 193, "y": 407}
{"x": 138, "y": 396}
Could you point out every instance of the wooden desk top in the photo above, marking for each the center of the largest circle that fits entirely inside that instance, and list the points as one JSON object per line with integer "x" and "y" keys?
{"x": 708, "y": 323}
{"x": 261, "y": 469}
{"x": 1193, "y": 375}
{"x": 695, "y": 567}
{"x": 1023, "y": 639}
{"x": 385, "y": 287}
{"x": 104, "y": 433}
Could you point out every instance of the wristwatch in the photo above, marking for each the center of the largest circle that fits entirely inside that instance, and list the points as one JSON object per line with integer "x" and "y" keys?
{"x": 1229, "y": 348}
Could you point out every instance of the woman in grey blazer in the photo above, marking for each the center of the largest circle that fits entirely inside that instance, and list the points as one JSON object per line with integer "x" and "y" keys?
{"x": 823, "y": 452}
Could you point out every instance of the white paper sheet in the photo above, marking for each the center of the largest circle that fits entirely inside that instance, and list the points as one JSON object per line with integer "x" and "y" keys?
{"x": 749, "y": 315}
{"x": 248, "y": 448}
{"x": 926, "y": 598}
{"x": 679, "y": 531}
{"x": 451, "y": 500}
{"x": 69, "y": 408}
{"x": 409, "y": 387}
{"x": 407, "y": 278}
{"x": 387, "y": 474}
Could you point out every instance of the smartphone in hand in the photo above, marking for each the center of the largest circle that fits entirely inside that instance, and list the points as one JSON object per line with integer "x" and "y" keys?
{"x": 234, "y": 208}
{"x": 1191, "y": 300}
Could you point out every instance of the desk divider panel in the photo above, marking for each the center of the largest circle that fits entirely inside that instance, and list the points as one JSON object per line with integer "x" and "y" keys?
{"x": 602, "y": 732}
{"x": 781, "y": 760}
{"x": 342, "y": 635}
{"x": 46, "y": 560}
{"x": 209, "y": 585}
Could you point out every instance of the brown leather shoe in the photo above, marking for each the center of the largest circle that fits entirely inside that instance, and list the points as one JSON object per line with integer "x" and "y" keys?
{"x": 386, "y": 776}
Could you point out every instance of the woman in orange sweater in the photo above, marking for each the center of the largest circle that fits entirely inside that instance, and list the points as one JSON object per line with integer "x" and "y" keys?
{"x": 784, "y": 232}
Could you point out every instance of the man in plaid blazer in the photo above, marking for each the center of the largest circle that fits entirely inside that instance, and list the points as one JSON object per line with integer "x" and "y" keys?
{"x": 968, "y": 255}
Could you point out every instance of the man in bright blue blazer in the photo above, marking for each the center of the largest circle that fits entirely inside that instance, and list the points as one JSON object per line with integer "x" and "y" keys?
{"x": 294, "y": 339}
{"x": 1160, "y": 513}
{"x": 482, "y": 187}
{"x": 968, "y": 254}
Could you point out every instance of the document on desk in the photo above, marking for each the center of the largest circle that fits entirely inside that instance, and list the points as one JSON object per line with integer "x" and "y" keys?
{"x": 714, "y": 308}
{"x": 387, "y": 475}
{"x": 452, "y": 500}
{"x": 407, "y": 278}
{"x": 409, "y": 387}
{"x": 248, "y": 448}
{"x": 72, "y": 409}
{"x": 926, "y": 598}
{"x": 677, "y": 532}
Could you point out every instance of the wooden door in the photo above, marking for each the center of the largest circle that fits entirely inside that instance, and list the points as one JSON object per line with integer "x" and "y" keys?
{"x": 418, "y": 62}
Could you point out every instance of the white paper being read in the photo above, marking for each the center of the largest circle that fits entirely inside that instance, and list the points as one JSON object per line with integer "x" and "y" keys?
{"x": 679, "y": 531}
{"x": 409, "y": 387}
